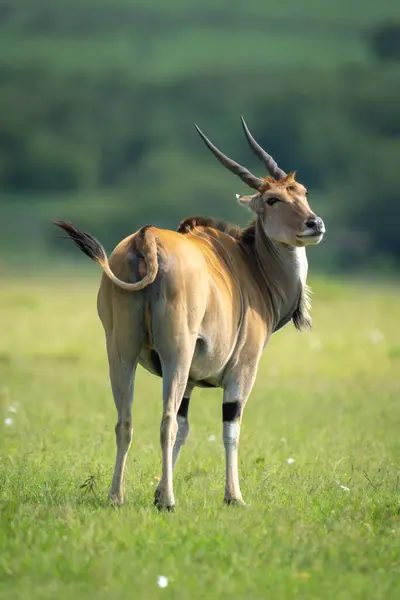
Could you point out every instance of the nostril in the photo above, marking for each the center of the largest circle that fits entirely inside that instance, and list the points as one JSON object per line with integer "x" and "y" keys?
{"x": 312, "y": 222}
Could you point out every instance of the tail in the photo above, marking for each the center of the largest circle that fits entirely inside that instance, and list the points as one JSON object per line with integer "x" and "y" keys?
{"x": 146, "y": 243}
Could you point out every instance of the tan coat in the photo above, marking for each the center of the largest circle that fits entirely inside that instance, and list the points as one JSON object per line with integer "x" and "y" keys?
{"x": 198, "y": 306}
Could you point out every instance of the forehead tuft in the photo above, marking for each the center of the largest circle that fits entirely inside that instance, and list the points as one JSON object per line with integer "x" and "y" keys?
{"x": 286, "y": 182}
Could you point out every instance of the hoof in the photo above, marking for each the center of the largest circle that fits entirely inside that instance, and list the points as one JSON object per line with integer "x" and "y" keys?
{"x": 235, "y": 502}
{"x": 162, "y": 505}
{"x": 115, "y": 499}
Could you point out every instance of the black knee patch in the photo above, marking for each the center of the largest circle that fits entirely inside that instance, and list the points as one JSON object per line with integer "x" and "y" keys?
{"x": 231, "y": 411}
{"x": 184, "y": 408}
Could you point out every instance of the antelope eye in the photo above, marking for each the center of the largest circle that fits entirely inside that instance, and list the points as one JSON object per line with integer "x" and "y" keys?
{"x": 272, "y": 201}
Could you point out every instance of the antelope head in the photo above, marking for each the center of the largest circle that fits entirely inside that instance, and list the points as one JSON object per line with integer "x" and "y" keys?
{"x": 280, "y": 202}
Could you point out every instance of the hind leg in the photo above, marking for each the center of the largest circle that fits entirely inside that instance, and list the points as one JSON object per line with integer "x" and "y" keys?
{"x": 175, "y": 375}
{"x": 122, "y": 316}
{"x": 122, "y": 373}
{"x": 177, "y": 311}
{"x": 176, "y": 343}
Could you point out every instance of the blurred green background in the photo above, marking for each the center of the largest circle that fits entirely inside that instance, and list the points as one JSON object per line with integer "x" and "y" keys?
{"x": 98, "y": 100}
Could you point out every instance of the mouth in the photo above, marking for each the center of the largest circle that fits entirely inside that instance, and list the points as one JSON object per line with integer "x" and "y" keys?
{"x": 311, "y": 237}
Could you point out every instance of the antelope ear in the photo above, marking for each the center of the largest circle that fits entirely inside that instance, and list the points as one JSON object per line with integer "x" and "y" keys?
{"x": 291, "y": 178}
{"x": 245, "y": 200}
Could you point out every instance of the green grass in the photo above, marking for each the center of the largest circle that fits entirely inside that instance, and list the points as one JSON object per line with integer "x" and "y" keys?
{"x": 328, "y": 399}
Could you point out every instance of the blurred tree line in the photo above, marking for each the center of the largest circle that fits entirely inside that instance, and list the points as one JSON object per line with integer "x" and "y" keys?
{"x": 115, "y": 152}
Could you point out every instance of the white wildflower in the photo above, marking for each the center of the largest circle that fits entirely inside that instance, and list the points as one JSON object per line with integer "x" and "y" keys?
{"x": 8, "y": 421}
{"x": 13, "y": 407}
{"x": 376, "y": 336}
{"x": 283, "y": 440}
{"x": 290, "y": 461}
{"x": 211, "y": 438}
{"x": 162, "y": 581}
{"x": 345, "y": 488}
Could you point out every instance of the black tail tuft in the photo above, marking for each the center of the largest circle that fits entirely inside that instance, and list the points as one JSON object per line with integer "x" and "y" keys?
{"x": 88, "y": 244}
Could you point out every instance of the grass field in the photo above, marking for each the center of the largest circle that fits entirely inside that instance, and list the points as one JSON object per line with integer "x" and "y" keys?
{"x": 324, "y": 526}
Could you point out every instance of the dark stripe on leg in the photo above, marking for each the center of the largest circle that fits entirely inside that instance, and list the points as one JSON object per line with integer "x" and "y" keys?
{"x": 184, "y": 408}
{"x": 231, "y": 411}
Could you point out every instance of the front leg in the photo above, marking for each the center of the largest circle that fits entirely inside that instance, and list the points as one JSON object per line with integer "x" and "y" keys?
{"x": 231, "y": 418}
{"x": 183, "y": 425}
{"x": 236, "y": 393}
